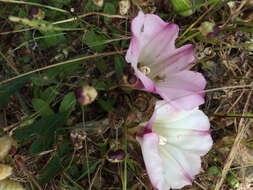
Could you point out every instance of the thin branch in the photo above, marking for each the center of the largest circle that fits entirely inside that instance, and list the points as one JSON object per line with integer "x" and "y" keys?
{"x": 64, "y": 63}
{"x": 20, "y": 163}
{"x": 242, "y": 129}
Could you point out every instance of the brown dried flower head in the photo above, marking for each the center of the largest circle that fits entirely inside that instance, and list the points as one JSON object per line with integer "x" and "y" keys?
{"x": 6, "y": 143}
{"x": 116, "y": 156}
{"x": 5, "y": 171}
{"x": 99, "y": 3}
{"x": 10, "y": 185}
{"x": 124, "y": 6}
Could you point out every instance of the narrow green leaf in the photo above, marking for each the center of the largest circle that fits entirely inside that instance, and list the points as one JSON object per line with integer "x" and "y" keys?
{"x": 42, "y": 107}
{"x": 52, "y": 169}
{"x": 91, "y": 169}
{"x": 46, "y": 126}
{"x": 68, "y": 103}
{"x": 6, "y": 90}
{"x": 119, "y": 65}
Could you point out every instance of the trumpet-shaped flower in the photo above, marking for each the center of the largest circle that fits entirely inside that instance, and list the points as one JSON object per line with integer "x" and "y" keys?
{"x": 172, "y": 144}
{"x": 160, "y": 67}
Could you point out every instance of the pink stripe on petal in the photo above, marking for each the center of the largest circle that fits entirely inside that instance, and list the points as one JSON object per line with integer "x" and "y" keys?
{"x": 161, "y": 42}
{"x": 149, "y": 144}
{"x": 180, "y": 98}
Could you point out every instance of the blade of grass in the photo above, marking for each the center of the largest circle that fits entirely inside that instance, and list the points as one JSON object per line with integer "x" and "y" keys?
{"x": 34, "y": 4}
{"x": 63, "y": 63}
{"x": 125, "y": 161}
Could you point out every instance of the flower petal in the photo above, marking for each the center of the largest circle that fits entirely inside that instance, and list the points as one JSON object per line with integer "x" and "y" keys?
{"x": 149, "y": 145}
{"x": 169, "y": 117}
{"x": 133, "y": 51}
{"x": 159, "y": 43}
{"x": 147, "y": 83}
{"x": 185, "y": 137}
{"x": 182, "y": 89}
{"x": 179, "y": 167}
{"x": 178, "y": 60}
{"x": 150, "y": 37}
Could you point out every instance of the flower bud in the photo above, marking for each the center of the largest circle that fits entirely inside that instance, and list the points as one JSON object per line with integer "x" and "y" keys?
{"x": 99, "y": 3}
{"x": 124, "y": 6}
{"x": 132, "y": 79}
{"x": 116, "y": 156}
{"x": 183, "y": 7}
{"x": 5, "y": 171}
{"x": 6, "y": 143}
{"x": 78, "y": 145}
{"x": 36, "y": 13}
{"x": 10, "y": 185}
{"x": 209, "y": 30}
{"x": 86, "y": 94}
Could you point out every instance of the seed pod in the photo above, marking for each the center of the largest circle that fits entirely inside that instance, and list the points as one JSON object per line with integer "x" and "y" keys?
{"x": 209, "y": 30}
{"x": 5, "y": 171}
{"x": 36, "y": 13}
{"x": 99, "y": 3}
{"x": 116, "y": 156}
{"x": 10, "y": 185}
{"x": 183, "y": 7}
{"x": 86, "y": 94}
{"x": 124, "y": 6}
{"x": 6, "y": 143}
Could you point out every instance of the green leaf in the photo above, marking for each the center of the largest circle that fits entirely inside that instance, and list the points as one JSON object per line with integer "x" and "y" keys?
{"x": 99, "y": 85}
{"x": 68, "y": 103}
{"x": 63, "y": 149}
{"x": 92, "y": 167}
{"x": 42, "y": 107}
{"x": 7, "y": 89}
{"x": 52, "y": 169}
{"x": 119, "y": 66}
{"x": 233, "y": 181}
{"x": 46, "y": 126}
{"x": 52, "y": 40}
{"x": 107, "y": 105}
{"x": 214, "y": 170}
{"x": 73, "y": 171}
{"x": 49, "y": 94}
{"x": 95, "y": 41}
{"x": 40, "y": 145}
{"x": 130, "y": 164}
{"x": 101, "y": 65}
{"x": 109, "y": 8}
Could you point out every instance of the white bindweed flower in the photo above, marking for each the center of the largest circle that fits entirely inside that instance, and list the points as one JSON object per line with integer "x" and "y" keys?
{"x": 172, "y": 144}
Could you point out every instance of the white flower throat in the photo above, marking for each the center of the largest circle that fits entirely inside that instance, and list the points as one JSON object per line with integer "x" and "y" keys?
{"x": 145, "y": 70}
{"x": 162, "y": 140}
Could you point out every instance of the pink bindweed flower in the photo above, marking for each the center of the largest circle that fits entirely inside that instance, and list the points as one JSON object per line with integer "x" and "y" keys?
{"x": 160, "y": 67}
{"x": 172, "y": 144}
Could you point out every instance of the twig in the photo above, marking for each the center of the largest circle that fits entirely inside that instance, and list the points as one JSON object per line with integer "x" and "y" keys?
{"x": 95, "y": 176}
{"x": 70, "y": 20}
{"x": 9, "y": 63}
{"x": 19, "y": 161}
{"x": 63, "y": 63}
{"x": 242, "y": 129}
{"x": 233, "y": 14}
{"x": 193, "y": 24}
{"x": 89, "y": 14}
{"x": 72, "y": 181}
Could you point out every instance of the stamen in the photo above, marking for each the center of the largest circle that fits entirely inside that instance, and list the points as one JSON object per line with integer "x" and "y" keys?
{"x": 145, "y": 70}
{"x": 162, "y": 140}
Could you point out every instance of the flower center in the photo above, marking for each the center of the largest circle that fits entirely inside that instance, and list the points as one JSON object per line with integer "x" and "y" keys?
{"x": 145, "y": 70}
